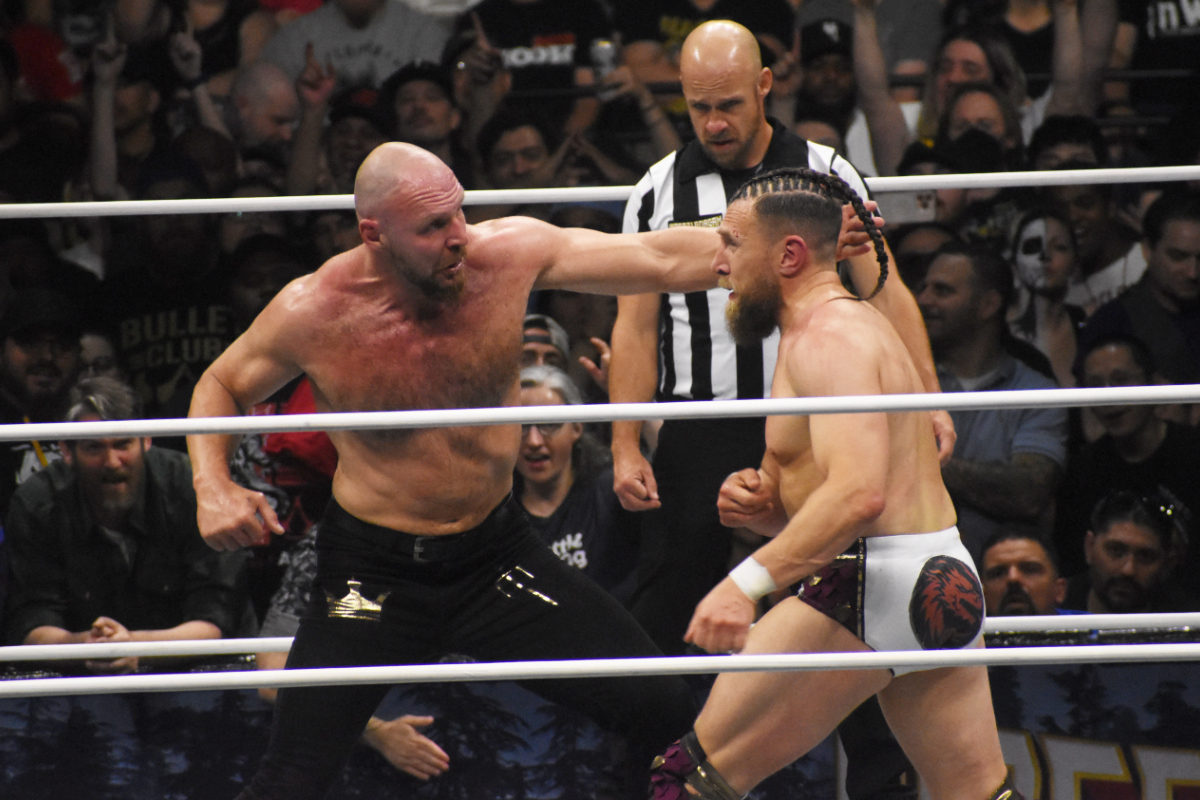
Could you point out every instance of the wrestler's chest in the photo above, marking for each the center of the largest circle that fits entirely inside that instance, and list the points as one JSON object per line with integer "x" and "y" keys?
{"x": 385, "y": 369}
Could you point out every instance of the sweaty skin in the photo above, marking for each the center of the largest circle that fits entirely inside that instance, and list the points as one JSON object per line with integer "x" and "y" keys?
{"x": 426, "y": 313}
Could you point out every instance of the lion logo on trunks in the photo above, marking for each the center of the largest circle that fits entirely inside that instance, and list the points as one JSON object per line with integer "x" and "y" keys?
{"x": 946, "y": 610}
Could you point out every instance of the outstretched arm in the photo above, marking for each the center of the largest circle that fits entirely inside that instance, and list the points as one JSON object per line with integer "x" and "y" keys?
{"x": 674, "y": 260}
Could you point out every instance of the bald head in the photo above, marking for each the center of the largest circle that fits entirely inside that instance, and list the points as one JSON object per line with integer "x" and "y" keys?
{"x": 721, "y": 47}
{"x": 267, "y": 105}
{"x": 396, "y": 171}
{"x": 726, "y": 88}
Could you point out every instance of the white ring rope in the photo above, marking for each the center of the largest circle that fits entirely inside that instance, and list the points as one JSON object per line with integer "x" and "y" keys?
{"x": 533, "y": 670}
{"x": 991, "y": 180}
{"x": 700, "y": 409}
{"x": 1060, "y": 623}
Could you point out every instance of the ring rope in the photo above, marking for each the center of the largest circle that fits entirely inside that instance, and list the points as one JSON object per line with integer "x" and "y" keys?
{"x": 912, "y": 183}
{"x": 1063, "y": 623}
{"x": 596, "y": 668}
{"x": 605, "y": 412}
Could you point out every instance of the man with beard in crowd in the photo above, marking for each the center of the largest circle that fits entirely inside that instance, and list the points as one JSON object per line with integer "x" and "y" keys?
{"x": 1019, "y": 575}
{"x": 1131, "y": 551}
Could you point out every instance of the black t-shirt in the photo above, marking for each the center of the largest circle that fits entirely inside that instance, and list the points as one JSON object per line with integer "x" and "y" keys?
{"x": 670, "y": 21}
{"x": 592, "y": 532}
{"x": 1168, "y": 37}
{"x": 542, "y": 43}
{"x": 1034, "y": 51}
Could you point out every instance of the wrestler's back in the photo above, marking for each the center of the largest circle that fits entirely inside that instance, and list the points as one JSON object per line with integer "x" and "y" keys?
{"x": 365, "y": 352}
{"x": 916, "y": 500}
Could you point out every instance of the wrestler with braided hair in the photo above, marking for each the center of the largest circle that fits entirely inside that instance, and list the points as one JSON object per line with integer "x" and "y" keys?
{"x": 858, "y": 516}
{"x": 801, "y": 179}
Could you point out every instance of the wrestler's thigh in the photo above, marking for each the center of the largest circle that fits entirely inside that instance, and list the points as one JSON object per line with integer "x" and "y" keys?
{"x": 756, "y": 723}
{"x": 558, "y": 613}
{"x": 943, "y": 719}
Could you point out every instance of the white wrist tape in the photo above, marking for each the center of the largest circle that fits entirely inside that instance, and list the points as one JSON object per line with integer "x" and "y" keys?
{"x": 753, "y": 579}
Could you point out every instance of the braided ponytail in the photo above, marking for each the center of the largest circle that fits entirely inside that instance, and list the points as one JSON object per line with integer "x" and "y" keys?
{"x": 792, "y": 180}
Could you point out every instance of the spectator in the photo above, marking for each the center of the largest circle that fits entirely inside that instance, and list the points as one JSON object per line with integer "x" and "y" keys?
{"x": 518, "y": 152}
{"x": 236, "y": 227}
{"x": 334, "y": 232}
{"x": 263, "y": 108}
{"x": 909, "y": 31}
{"x": 358, "y": 123}
{"x": 1164, "y": 34}
{"x": 1110, "y": 258}
{"x": 564, "y": 481}
{"x": 1162, "y": 308}
{"x": 1063, "y": 138}
{"x": 227, "y": 33}
{"x": 974, "y": 53}
{"x": 1007, "y": 463}
{"x": 982, "y": 106}
{"x": 1138, "y": 451}
{"x": 950, "y": 205}
{"x": 42, "y": 147}
{"x": 1043, "y": 254}
{"x": 363, "y": 41}
{"x": 98, "y": 355}
{"x": 913, "y": 247}
{"x": 827, "y": 74}
{"x": 545, "y": 343}
{"x": 420, "y": 97}
{"x": 103, "y": 546}
{"x": 1131, "y": 549}
{"x": 38, "y": 365}
{"x": 546, "y": 45}
{"x": 1020, "y": 576}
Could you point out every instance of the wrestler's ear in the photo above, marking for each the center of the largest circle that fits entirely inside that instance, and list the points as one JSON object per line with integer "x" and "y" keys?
{"x": 368, "y": 229}
{"x": 1089, "y": 544}
{"x": 1060, "y": 591}
{"x": 793, "y": 256}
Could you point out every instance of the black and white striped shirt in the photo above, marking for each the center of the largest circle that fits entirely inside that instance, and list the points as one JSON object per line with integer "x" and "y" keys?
{"x": 697, "y": 358}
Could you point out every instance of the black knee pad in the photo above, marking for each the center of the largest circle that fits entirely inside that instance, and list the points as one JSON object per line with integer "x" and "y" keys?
{"x": 685, "y": 764}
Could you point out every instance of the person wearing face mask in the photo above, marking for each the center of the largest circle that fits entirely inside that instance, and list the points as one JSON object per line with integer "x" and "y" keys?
{"x": 563, "y": 480}
{"x": 1043, "y": 258}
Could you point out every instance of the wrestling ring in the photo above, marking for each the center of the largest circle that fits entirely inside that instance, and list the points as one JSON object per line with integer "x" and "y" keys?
{"x": 1184, "y": 785}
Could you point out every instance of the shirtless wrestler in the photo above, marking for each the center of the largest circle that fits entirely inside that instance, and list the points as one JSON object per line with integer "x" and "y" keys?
{"x": 423, "y": 551}
{"x": 857, "y": 508}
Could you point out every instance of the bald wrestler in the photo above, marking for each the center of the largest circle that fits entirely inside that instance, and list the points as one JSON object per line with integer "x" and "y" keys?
{"x": 423, "y": 551}
{"x": 856, "y": 508}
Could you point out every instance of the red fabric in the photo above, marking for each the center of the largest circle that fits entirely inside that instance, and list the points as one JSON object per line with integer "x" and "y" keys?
{"x": 301, "y": 7}
{"x": 312, "y": 449}
{"x": 50, "y": 70}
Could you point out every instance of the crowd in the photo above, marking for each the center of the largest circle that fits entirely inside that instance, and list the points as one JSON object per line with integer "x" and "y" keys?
{"x": 116, "y": 318}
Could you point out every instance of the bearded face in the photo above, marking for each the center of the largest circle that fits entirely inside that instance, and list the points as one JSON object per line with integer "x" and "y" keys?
{"x": 753, "y": 311}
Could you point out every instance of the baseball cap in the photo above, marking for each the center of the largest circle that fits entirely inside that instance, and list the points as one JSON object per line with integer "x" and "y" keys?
{"x": 40, "y": 308}
{"x": 362, "y": 102}
{"x": 823, "y": 37}
{"x": 416, "y": 71}
{"x": 558, "y": 336}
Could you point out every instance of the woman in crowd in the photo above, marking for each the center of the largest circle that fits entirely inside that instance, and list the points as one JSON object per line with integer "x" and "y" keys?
{"x": 1043, "y": 258}
{"x": 564, "y": 482}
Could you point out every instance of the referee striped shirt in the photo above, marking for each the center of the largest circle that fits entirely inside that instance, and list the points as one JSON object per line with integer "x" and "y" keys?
{"x": 697, "y": 358}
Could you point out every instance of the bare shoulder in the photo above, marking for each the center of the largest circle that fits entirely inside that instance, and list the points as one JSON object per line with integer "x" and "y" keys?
{"x": 514, "y": 243}
{"x": 836, "y": 348}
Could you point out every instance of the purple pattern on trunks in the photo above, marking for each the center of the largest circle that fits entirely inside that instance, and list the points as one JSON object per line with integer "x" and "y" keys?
{"x": 836, "y": 590}
{"x": 668, "y": 777}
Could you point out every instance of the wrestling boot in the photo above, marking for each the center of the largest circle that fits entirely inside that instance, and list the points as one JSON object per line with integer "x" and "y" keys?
{"x": 685, "y": 764}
